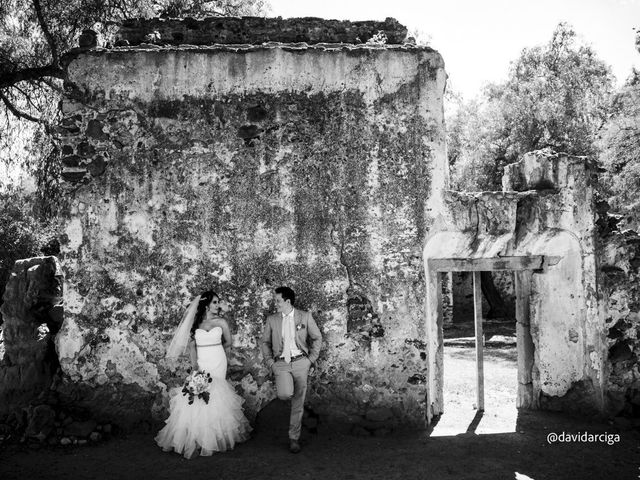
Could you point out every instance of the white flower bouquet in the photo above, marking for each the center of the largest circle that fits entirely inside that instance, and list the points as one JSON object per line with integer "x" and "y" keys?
{"x": 196, "y": 385}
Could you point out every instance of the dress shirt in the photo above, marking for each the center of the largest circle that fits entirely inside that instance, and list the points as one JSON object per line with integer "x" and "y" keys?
{"x": 289, "y": 322}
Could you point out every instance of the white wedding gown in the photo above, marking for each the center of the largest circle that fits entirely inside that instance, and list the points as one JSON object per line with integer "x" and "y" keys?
{"x": 206, "y": 427}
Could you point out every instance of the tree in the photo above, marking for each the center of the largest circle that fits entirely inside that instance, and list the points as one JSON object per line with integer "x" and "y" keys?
{"x": 35, "y": 35}
{"x": 620, "y": 144}
{"x": 556, "y": 96}
{"x": 23, "y": 235}
{"x": 475, "y": 147}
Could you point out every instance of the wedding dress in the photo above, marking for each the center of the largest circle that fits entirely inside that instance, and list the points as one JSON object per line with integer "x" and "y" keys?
{"x": 209, "y": 427}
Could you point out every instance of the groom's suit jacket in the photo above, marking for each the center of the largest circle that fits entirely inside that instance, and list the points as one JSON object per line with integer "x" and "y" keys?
{"x": 308, "y": 337}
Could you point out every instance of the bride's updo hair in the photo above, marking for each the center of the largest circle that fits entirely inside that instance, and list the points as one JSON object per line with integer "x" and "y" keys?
{"x": 205, "y": 300}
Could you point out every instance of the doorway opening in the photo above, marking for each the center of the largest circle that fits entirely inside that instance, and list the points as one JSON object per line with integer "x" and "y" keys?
{"x": 508, "y": 359}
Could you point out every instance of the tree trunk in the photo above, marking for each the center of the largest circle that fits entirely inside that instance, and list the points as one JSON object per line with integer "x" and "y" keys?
{"x": 497, "y": 308}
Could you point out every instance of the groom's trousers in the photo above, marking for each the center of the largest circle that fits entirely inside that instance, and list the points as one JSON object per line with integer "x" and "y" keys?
{"x": 291, "y": 384}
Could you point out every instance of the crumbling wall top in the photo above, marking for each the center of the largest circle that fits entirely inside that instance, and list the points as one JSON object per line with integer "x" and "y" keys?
{"x": 256, "y": 30}
{"x": 545, "y": 170}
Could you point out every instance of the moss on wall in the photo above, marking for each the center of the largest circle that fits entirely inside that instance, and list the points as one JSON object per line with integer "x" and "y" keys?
{"x": 324, "y": 191}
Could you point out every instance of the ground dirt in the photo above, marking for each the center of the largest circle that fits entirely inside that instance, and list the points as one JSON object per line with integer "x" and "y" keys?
{"x": 500, "y": 443}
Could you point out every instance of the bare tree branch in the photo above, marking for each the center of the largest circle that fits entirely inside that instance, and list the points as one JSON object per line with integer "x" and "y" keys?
{"x": 47, "y": 33}
{"x": 27, "y": 96}
{"x": 20, "y": 114}
{"x": 29, "y": 99}
{"x": 11, "y": 78}
{"x": 51, "y": 84}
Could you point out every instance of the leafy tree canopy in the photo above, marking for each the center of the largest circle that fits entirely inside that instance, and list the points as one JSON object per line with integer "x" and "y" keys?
{"x": 556, "y": 96}
{"x": 620, "y": 145}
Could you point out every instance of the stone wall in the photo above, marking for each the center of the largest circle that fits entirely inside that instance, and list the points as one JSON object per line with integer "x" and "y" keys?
{"x": 242, "y": 168}
{"x": 565, "y": 312}
{"x": 32, "y": 316}
{"x": 620, "y": 277}
{"x": 256, "y": 30}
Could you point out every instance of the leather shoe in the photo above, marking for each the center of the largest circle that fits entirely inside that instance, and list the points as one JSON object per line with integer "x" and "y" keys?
{"x": 294, "y": 446}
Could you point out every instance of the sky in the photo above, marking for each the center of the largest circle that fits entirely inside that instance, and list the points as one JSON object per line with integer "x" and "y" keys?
{"x": 479, "y": 38}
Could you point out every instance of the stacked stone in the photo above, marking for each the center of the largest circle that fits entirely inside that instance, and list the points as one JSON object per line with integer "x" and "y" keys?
{"x": 86, "y": 137}
{"x": 378, "y": 422}
{"x": 256, "y": 30}
{"x": 44, "y": 425}
{"x": 620, "y": 273}
{"x": 363, "y": 319}
{"x": 32, "y": 315}
{"x": 345, "y": 419}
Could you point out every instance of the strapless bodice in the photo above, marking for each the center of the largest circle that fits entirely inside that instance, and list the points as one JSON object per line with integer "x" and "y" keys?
{"x": 210, "y": 337}
{"x": 211, "y": 356}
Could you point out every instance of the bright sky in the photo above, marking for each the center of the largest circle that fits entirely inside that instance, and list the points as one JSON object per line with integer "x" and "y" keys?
{"x": 479, "y": 38}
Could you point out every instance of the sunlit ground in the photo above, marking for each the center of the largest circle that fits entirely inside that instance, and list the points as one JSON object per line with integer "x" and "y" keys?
{"x": 500, "y": 387}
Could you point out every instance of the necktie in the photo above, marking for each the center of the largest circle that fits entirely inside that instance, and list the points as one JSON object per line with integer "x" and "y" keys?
{"x": 288, "y": 339}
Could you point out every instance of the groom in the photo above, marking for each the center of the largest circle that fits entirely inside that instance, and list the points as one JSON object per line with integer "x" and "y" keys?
{"x": 290, "y": 345}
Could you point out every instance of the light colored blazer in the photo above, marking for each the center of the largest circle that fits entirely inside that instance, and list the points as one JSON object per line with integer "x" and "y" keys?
{"x": 308, "y": 337}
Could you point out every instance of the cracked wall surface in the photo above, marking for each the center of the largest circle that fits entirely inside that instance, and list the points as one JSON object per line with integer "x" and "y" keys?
{"x": 242, "y": 168}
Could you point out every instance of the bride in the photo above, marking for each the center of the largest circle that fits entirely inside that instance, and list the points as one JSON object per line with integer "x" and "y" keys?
{"x": 216, "y": 425}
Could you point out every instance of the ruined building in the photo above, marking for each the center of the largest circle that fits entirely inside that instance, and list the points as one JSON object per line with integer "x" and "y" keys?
{"x": 242, "y": 154}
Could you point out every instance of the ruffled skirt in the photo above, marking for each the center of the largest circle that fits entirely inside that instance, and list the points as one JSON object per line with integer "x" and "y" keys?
{"x": 202, "y": 427}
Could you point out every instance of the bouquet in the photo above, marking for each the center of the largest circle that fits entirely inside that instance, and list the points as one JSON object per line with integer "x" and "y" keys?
{"x": 197, "y": 385}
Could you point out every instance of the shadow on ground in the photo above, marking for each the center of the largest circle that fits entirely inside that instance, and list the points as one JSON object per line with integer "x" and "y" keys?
{"x": 500, "y": 443}
{"x": 523, "y": 453}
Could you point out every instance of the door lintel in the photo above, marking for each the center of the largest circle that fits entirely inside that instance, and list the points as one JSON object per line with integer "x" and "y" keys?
{"x": 516, "y": 263}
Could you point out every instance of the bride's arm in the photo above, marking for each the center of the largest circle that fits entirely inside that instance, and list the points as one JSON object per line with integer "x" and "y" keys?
{"x": 227, "y": 339}
{"x": 193, "y": 355}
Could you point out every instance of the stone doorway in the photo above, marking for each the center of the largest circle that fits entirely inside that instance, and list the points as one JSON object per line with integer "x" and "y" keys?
{"x": 543, "y": 221}
{"x": 523, "y": 267}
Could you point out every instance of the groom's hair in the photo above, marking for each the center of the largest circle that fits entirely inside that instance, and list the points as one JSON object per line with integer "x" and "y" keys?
{"x": 287, "y": 294}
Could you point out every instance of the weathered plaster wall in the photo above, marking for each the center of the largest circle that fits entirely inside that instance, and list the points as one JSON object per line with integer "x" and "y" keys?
{"x": 620, "y": 275}
{"x": 567, "y": 326}
{"x": 546, "y": 209}
{"x": 240, "y": 169}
